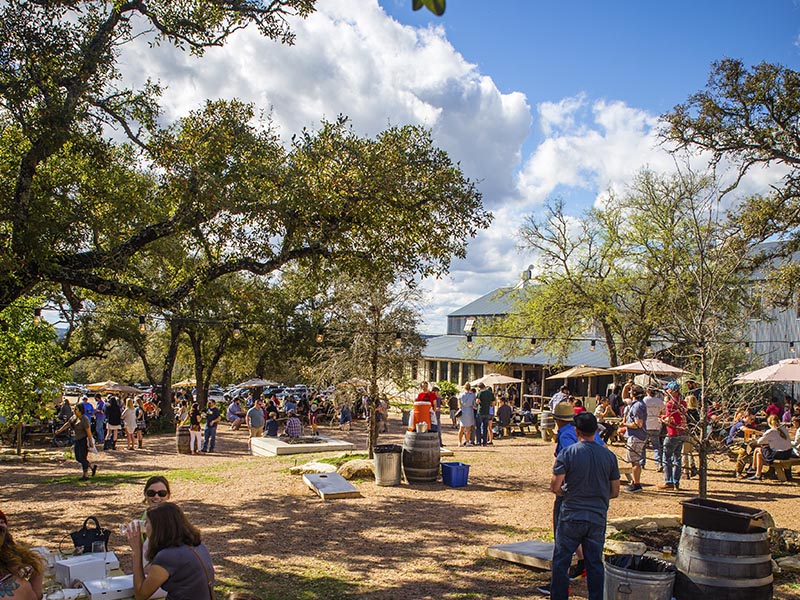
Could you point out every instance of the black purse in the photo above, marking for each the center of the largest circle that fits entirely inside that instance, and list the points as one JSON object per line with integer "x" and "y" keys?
{"x": 85, "y": 537}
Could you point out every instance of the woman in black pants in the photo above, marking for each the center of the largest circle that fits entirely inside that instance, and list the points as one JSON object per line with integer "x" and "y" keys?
{"x": 82, "y": 433}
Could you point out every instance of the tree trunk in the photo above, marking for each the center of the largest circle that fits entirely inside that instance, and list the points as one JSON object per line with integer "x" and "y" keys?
{"x": 165, "y": 402}
{"x": 19, "y": 438}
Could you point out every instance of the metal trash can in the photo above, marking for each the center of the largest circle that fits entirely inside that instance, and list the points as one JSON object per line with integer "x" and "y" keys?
{"x": 629, "y": 576}
{"x": 387, "y": 464}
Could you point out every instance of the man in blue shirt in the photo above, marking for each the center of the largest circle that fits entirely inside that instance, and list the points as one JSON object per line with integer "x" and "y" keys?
{"x": 586, "y": 476}
{"x": 212, "y": 419}
{"x": 636, "y": 437}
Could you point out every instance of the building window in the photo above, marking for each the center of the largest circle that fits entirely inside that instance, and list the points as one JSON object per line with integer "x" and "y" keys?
{"x": 432, "y": 370}
{"x": 454, "y": 371}
{"x": 442, "y": 370}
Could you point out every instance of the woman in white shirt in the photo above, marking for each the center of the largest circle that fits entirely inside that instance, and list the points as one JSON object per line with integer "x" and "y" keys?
{"x": 775, "y": 445}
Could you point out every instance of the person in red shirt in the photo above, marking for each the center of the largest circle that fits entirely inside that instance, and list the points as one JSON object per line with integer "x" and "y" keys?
{"x": 774, "y": 409}
{"x": 427, "y": 395}
{"x": 675, "y": 420}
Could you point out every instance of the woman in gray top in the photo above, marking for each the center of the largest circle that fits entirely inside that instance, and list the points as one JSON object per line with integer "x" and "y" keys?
{"x": 180, "y": 562}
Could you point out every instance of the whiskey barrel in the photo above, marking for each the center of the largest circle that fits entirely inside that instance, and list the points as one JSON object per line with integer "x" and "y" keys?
{"x": 721, "y": 565}
{"x": 421, "y": 456}
{"x": 182, "y": 439}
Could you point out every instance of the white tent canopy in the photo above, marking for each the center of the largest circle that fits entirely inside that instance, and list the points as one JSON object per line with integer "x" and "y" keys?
{"x": 650, "y": 366}
{"x": 495, "y": 379}
{"x": 785, "y": 370}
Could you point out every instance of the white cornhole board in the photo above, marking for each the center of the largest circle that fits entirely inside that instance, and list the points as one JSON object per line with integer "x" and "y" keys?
{"x": 270, "y": 446}
{"x": 330, "y": 486}
{"x": 531, "y": 553}
{"x": 445, "y": 452}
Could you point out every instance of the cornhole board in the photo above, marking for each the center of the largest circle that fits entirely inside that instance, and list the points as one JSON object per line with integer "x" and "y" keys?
{"x": 531, "y": 553}
{"x": 270, "y": 446}
{"x": 330, "y": 486}
{"x": 445, "y": 452}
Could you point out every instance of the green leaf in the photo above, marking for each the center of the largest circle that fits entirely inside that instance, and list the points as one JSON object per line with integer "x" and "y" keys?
{"x": 435, "y": 6}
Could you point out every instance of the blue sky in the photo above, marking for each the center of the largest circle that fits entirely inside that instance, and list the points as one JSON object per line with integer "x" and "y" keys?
{"x": 534, "y": 99}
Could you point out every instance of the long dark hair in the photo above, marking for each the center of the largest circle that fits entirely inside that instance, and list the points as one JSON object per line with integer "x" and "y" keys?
{"x": 169, "y": 528}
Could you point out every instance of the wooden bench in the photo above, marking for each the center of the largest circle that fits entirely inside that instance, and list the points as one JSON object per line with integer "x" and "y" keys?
{"x": 783, "y": 468}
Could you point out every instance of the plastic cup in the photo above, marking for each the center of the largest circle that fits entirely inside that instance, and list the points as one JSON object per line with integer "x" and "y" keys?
{"x": 98, "y": 547}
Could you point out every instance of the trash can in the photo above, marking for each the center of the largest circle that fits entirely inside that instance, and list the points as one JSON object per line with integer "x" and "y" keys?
{"x": 387, "y": 464}
{"x": 630, "y": 576}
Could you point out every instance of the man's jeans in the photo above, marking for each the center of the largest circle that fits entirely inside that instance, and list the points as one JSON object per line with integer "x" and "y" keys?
{"x": 210, "y": 434}
{"x": 483, "y": 429}
{"x": 673, "y": 447}
{"x": 569, "y": 536}
{"x": 100, "y": 428}
{"x": 654, "y": 439}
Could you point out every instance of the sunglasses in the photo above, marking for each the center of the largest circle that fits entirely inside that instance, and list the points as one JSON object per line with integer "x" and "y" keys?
{"x": 154, "y": 493}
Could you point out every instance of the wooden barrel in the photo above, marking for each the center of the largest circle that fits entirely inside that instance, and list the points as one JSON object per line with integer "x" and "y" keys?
{"x": 547, "y": 421}
{"x": 720, "y": 565}
{"x": 421, "y": 456}
{"x": 182, "y": 439}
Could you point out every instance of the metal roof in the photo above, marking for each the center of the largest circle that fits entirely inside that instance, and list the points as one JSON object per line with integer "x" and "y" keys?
{"x": 454, "y": 347}
{"x": 496, "y": 302}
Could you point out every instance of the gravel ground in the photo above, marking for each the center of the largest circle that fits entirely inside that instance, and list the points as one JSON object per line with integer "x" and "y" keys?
{"x": 270, "y": 534}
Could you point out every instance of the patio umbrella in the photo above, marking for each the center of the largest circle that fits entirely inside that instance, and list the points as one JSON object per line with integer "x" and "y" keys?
{"x": 650, "y": 366}
{"x": 191, "y": 382}
{"x": 495, "y": 379}
{"x": 121, "y": 388}
{"x": 256, "y": 382}
{"x": 579, "y": 371}
{"x": 100, "y": 385}
{"x": 785, "y": 370}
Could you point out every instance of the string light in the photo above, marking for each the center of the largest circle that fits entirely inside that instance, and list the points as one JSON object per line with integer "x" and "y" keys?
{"x": 592, "y": 346}
{"x": 649, "y": 347}
{"x": 469, "y": 341}
{"x": 142, "y": 325}
{"x": 236, "y": 331}
{"x": 37, "y": 316}
{"x": 533, "y": 343}
{"x": 320, "y": 335}
{"x": 791, "y": 347}
{"x": 398, "y": 339}
{"x": 747, "y": 347}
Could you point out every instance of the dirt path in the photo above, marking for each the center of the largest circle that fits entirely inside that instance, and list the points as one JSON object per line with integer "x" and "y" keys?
{"x": 268, "y": 533}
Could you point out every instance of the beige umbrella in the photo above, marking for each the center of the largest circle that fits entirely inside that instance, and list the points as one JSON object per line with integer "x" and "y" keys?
{"x": 650, "y": 366}
{"x": 100, "y": 385}
{"x": 495, "y": 379}
{"x": 191, "y": 382}
{"x": 256, "y": 382}
{"x": 122, "y": 389}
{"x": 579, "y": 371}
{"x": 784, "y": 370}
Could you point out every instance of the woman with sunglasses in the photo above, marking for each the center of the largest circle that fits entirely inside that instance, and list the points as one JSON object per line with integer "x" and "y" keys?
{"x": 156, "y": 491}
{"x": 180, "y": 562}
{"x": 21, "y": 570}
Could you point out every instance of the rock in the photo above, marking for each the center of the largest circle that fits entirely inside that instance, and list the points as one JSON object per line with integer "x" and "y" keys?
{"x": 662, "y": 521}
{"x": 10, "y": 458}
{"x": 784, "y": 540}
{"x": 790, "y": 563}
{"x": 360, "y": 468}
{"x": 37, "y": 458}
{"x": 312, "y": 467}
{"x": 650, "y": 527}
{"x": 620, "y": 547}
{"x": 611, "y": 531}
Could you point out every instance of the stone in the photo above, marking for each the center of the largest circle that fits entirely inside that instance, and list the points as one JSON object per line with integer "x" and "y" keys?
{"x": 765, "y": 522}
{"x": 11, "y": 458}
{"x": 361, "y": 468}
{"x": 620, "y": 547}
{"x": 784, "y": 540}
{"x": 312, "y": 467}
{"x": 662, "y": 521}
{"x": 611, "y": 531}
{"x": 650, "y": 527}
{"x": 790, "y": 563}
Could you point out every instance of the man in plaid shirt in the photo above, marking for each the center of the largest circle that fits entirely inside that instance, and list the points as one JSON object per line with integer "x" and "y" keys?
{"x": 293, "y": 427}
